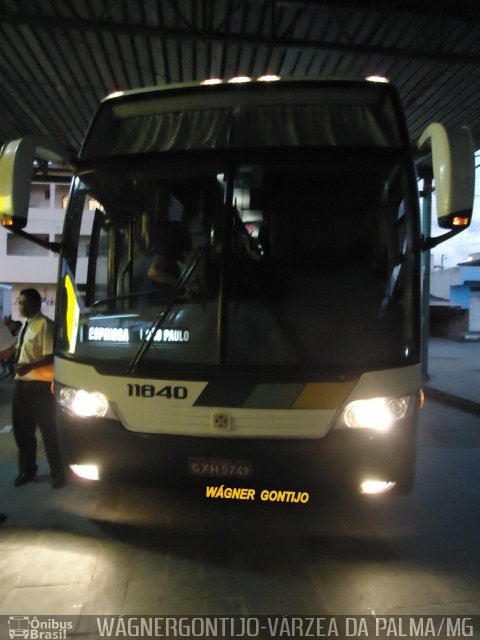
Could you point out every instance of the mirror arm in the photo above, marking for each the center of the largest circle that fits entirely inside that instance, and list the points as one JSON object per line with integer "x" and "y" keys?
{"x": 430, "y": 243}
{"x": 46, "y": 244}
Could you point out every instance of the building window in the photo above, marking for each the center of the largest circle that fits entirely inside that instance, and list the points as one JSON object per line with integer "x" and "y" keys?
{"x": 61, "y": 195}
{"x": 94, "y": 204}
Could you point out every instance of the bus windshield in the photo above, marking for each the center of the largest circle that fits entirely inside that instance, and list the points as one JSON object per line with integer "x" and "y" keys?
{"x": 263, "y": 263}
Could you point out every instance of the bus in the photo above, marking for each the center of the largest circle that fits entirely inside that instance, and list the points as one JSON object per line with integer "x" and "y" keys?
{"x": 252, "y": 306}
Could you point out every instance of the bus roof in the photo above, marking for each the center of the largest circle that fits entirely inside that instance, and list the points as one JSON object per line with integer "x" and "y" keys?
{"x": 235, "y": 84}
{"x": 291, "y": 112}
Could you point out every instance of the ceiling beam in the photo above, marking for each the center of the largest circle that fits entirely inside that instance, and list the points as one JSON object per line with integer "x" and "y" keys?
{"x": 462, "y": 10}
{"x": 223, "y": 38}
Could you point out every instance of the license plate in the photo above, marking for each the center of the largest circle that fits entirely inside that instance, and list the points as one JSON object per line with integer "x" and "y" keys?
{"x": 220, "y": 468}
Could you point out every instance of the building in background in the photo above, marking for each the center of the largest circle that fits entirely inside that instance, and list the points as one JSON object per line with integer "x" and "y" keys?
{"x": 455, "y": 299}
{"x": 25, "y": 264}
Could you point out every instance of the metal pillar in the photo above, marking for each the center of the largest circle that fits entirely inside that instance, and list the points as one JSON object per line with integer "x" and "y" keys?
{"x": 426, "y": 231}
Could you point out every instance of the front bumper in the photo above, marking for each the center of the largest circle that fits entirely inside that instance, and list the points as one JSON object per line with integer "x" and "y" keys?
{"x": 342, "y": 458}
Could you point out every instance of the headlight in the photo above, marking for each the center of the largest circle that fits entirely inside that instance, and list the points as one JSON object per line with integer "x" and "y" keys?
{"x": 375, "y": 413}
{"x": 85, "y": 404}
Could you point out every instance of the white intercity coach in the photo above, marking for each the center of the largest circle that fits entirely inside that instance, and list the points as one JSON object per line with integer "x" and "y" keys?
{"x": 253, "y": 297}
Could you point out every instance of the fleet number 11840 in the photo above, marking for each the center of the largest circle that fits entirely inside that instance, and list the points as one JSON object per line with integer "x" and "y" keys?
{"x": 151, "y": 391}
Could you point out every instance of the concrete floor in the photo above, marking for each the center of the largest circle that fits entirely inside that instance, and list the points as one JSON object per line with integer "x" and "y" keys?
{"x": 90, "y": 549}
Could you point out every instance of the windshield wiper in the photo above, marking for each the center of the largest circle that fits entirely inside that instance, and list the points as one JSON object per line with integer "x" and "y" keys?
{"x": 163, "y": 315}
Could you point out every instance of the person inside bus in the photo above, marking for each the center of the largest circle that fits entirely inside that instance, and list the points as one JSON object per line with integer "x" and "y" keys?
{"x": 170, "y": 248}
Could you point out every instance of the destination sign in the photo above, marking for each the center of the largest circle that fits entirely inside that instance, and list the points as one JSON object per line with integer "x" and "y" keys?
{"x": 127, "y": 335}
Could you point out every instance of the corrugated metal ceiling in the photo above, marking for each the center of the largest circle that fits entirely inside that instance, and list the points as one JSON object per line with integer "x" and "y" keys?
{"x": 58, "y": 58}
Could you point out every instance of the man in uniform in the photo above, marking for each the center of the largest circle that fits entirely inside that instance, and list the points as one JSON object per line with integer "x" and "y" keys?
{"x": 33, "y": 400}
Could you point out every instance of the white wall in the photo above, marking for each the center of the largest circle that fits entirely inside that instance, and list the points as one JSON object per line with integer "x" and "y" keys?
{"x": 24, "y": 264}
{"x": 36, "y": 265}
{"x": 442, "y": 279}
{"x": 474, "y": 319}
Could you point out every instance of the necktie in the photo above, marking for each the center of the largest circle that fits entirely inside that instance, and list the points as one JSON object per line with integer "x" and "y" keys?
{"x": 20, "y": 342}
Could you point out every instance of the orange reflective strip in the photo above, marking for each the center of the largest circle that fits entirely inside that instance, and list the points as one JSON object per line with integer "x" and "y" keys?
{"x": 324, "y": 395}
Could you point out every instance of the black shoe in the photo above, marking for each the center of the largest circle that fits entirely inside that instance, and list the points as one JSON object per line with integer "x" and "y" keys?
{"x": 58, "y": 483}
{"x": 3, "y": 517}
{"x": 24, "y": 477}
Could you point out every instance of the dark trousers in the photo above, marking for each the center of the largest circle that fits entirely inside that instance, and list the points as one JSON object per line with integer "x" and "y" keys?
{"x": 34, "y": 405}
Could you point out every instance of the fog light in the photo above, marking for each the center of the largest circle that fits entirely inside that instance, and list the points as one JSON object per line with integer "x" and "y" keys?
{"x": 86, "y": 471}
{"x": 371, "y": 487}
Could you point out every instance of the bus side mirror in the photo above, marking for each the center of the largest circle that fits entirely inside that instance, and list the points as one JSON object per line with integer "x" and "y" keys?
{"x": 453, "y": 163}
{"x": 16, "y": 174}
